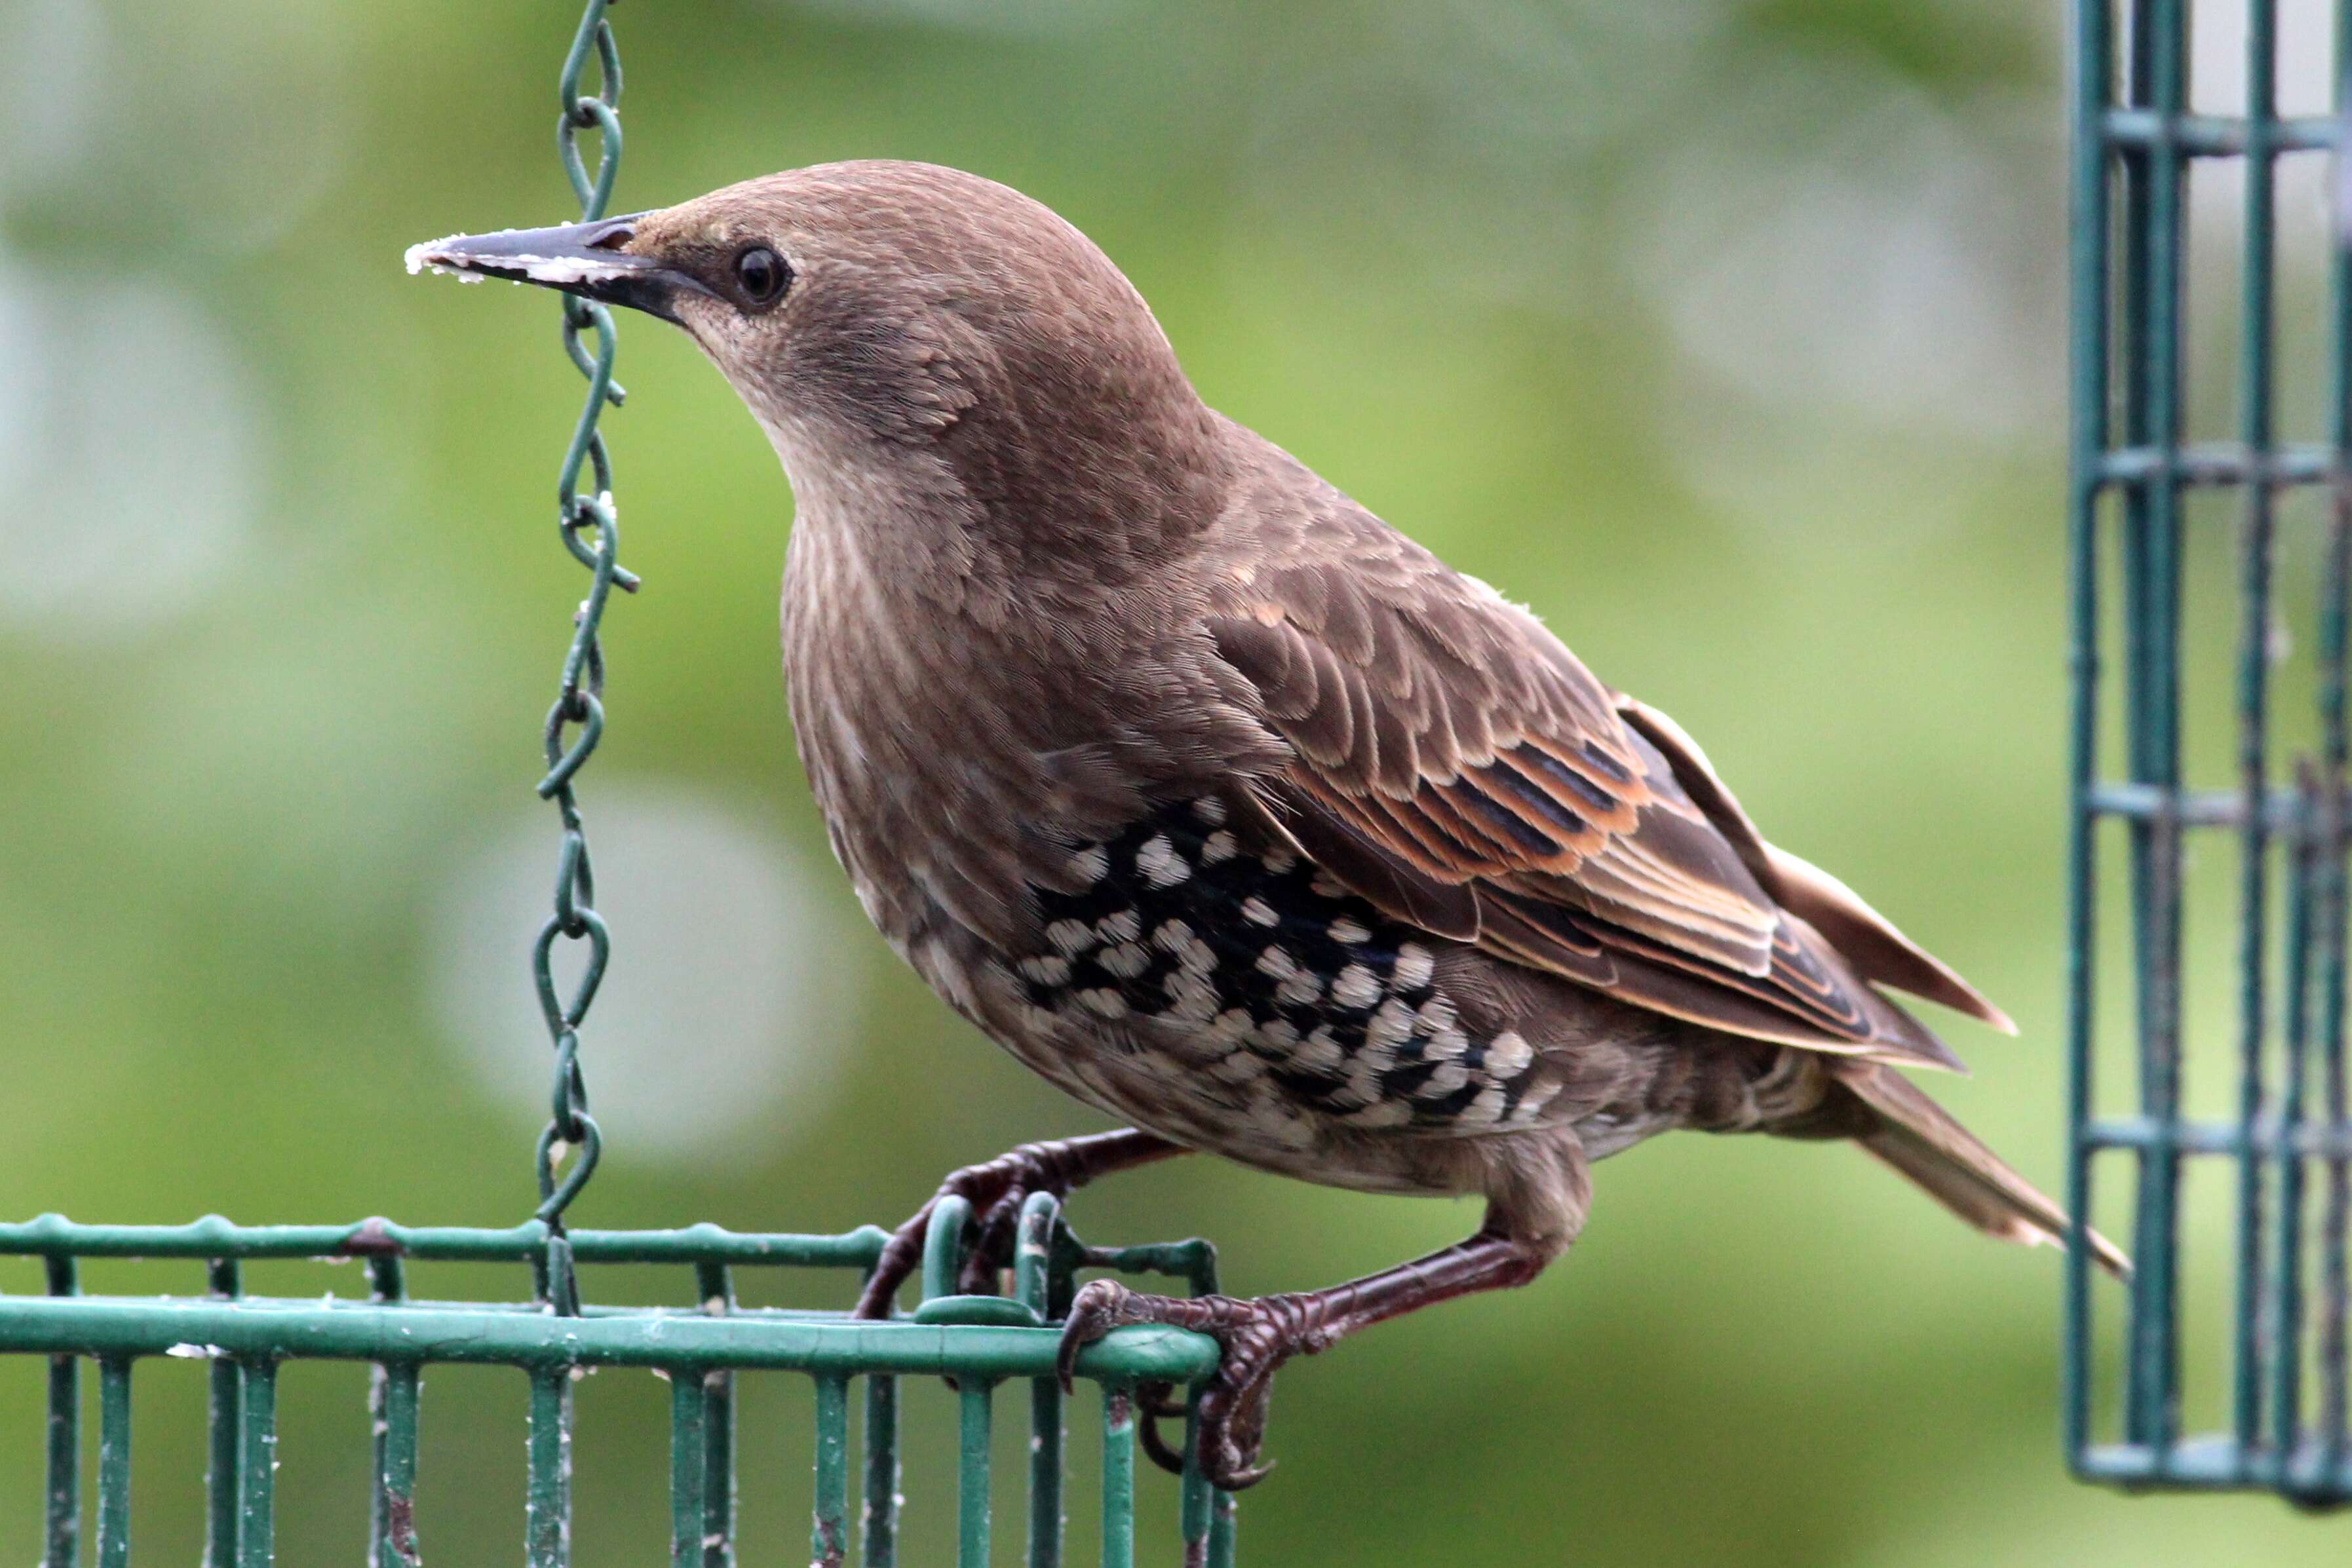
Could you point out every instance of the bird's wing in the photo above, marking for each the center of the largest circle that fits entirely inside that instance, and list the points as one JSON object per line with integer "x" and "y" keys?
{"x": 1456, "y": 766}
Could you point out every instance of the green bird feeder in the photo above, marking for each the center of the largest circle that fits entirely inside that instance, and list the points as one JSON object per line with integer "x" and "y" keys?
{"x": 2226, "y": 817}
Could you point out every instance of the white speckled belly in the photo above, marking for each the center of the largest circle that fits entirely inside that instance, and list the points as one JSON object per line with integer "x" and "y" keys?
{"x": 1253, "y": 1005}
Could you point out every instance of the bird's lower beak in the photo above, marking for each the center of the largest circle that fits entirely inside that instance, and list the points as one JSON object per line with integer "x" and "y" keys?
{"x": 587, "y": 259}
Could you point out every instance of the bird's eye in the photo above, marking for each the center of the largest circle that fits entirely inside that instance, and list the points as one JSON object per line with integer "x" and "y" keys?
{"x": 763, "y": 275}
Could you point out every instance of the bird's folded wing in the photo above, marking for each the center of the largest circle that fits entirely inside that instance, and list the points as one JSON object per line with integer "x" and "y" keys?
{"x": 1456, "y": 766}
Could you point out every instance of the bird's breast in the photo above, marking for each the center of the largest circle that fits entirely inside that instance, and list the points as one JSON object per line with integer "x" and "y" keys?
{"x": 1035, "y": 847}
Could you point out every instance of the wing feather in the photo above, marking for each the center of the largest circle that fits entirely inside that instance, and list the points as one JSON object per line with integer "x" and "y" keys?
{"x": 1456, "y": 765}
{"x": 1869, "y": 940}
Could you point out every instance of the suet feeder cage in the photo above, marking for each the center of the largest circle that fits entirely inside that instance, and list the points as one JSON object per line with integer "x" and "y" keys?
{"x": 2207, "y": 931}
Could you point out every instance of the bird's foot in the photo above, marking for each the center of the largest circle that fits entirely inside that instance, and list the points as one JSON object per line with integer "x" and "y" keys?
{"x": 996, "y": 1190}
{"x": 1258, "y": 1335}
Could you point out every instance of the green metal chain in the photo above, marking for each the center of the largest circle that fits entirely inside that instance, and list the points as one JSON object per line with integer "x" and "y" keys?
{"x": 590, "y": 530}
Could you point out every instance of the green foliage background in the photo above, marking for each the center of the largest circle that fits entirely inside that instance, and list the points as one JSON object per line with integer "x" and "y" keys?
{"x": 1726, "y": 332}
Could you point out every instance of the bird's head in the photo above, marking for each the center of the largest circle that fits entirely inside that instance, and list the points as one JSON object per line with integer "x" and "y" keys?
{"x": 888, "y": 321}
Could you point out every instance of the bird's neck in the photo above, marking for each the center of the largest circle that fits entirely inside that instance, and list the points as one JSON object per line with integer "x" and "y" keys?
{"x": 1009, "y": 538}
{"x": 950, "y": 710}
{"x": 965, "y": 705}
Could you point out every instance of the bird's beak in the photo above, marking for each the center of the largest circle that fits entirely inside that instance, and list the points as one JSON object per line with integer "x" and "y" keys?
{"x": 587, "y": 259}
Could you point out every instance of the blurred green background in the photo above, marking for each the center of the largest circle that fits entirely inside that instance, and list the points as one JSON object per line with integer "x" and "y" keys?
{"x": 1730, "y": 334}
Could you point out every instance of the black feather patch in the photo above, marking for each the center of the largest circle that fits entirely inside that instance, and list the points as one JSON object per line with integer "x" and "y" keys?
{"x": 1281, "y": 972}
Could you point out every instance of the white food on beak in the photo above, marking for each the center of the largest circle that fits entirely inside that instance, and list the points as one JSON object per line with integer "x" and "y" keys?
{"x": 558, "y": 271}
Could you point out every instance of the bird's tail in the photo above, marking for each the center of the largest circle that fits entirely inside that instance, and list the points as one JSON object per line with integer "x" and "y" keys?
{"x": 1923, "y": 1141}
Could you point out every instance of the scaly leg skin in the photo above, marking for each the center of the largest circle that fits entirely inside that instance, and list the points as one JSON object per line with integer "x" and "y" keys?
{"x": 1261, "y": 1334}
{"x": 996, "y": 1191}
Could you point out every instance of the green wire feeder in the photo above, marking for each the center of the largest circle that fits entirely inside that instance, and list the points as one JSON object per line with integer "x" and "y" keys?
{"x": 2137, "y": 493}
{"x": 978, "y": 1342}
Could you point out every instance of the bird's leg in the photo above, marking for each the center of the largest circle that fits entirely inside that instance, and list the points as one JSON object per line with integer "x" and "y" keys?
{"x": 996, "y": 1191}
{"x": 1259, "y": 1334}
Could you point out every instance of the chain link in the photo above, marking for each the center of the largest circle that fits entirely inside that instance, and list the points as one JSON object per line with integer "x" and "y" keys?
{"x": 591, "y": 531}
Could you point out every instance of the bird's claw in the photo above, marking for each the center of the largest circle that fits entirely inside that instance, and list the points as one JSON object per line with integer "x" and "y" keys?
{"x": 1154, "y": 1403}
{"x": 1257, "y": 1337}
{"x": 996, "y": 1190}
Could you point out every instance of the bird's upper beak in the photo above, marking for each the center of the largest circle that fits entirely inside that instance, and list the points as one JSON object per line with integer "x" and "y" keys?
{"x": 587, "y": 259}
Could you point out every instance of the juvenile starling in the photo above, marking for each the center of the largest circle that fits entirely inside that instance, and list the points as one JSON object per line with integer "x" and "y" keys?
{"x": 1222, "y": 805}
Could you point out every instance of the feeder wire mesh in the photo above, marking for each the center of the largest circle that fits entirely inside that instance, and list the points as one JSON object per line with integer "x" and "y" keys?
{"x": 2136, "y": 140}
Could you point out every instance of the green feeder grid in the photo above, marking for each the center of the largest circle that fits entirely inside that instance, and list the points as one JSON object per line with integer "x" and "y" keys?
{"x": 2284, "y": 1151}
{"x": 979, "y": 1343}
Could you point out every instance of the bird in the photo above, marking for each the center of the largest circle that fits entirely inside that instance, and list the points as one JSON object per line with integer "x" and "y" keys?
{"x": 1224, "y": 806}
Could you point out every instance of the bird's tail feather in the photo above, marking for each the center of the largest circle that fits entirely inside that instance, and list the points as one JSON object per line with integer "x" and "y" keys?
{"x": 1919, "y": 1138}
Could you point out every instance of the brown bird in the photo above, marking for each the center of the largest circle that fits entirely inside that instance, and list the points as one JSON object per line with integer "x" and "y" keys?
{"x": 1224, "y": 806}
